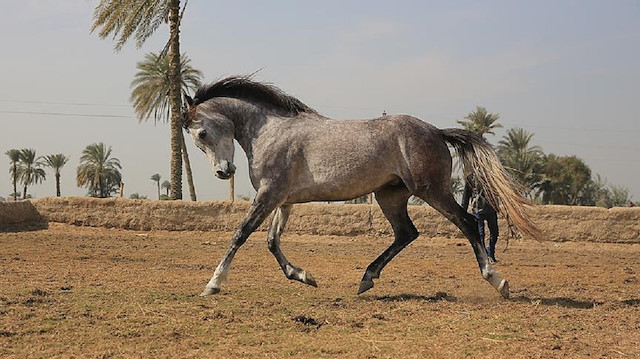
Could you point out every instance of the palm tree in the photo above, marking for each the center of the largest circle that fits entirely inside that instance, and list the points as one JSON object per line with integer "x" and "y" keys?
{"x": 156, "y": 178}
{"x": 151, "y": 86}
{"x": 480, "y": 122}
{"x": 150, "y": 95}
{"x": 14, "y": 156}
{"x": 166, "y": 185}
{"x": 98, "y": 171}
{"x": 29, "y": 169}
{"x": 141, "y": 18}
{"x": 521, "y": 159}
{"x": 56, "y": 162}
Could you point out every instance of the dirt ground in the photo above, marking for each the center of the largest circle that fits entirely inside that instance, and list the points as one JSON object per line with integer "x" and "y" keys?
{"x": 106, "y": 293}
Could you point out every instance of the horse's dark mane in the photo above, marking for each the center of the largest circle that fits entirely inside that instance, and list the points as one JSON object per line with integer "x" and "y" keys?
{"x": 243, "y": 87}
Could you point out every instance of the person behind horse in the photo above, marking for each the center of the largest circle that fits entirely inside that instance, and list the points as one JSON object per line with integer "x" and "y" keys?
{"x": 483, "y": 211}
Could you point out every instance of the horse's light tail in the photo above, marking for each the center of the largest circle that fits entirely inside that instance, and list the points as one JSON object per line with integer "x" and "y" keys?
{"x": 500, "y": 189}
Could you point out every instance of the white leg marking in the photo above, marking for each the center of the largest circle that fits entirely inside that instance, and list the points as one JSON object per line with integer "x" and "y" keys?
{"x": 495, "y": 278}
{"x": 220, "y": 276}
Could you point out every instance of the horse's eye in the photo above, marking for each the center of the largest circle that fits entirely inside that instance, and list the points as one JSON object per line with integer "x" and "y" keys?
{"x": 202, "y": 134}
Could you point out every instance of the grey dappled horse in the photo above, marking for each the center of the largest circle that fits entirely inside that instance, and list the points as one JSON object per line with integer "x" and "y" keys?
{"x": 297, "y": 155}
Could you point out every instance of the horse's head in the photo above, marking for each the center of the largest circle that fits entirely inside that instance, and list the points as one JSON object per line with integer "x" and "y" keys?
{"x": 212, "y": 133}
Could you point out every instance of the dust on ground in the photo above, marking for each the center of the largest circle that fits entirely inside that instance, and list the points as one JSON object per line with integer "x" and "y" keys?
{"x": 90, "y": 292}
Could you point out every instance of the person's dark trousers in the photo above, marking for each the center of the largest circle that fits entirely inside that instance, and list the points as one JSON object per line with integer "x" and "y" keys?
{"x": 492, "y": 223}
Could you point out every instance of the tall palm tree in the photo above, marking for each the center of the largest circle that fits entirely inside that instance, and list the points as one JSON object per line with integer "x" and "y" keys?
{"x": 141, "y": 18}
{"x": 156, "y": 178}
{"x": 150, "y": 95}
{"x": 98, "y": 171}
{"x": 166, "y": 185}
{"x": 14, "y": 157}
{"x": 481, "y": 122}
{"x": 523, "y": 160}
{"x": 56, "y": 162}
{"x": 29, "y": 169}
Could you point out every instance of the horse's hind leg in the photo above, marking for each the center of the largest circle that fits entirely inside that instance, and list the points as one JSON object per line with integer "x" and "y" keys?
{"x": 393, "y": 202}
{"x": 446, "y": 204}
{"x": 273, "y": 240}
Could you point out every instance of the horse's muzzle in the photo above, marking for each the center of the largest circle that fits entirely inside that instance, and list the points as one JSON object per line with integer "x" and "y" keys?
{"x": 225, "y": 170}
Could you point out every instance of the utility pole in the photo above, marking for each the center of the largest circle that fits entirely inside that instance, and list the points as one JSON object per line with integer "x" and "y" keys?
{"x": 232, "y": 188}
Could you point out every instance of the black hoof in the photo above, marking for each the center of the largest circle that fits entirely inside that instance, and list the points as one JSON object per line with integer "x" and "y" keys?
{"x": 365, "y": 285}
{"x": 209, "y": 291}
{"x": 308, "y": 279}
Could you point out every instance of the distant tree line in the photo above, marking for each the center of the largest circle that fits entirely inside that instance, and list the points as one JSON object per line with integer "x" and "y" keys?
{"x": 98, "y": 171}
{"x": 28, "y": 169}
{"x": 546, "y": 178}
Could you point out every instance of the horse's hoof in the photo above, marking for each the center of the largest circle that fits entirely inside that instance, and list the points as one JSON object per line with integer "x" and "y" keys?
{"x": 503, "y": 288}
{"x": 365, "y": 285}
{"x": 209, "y": 291}
{"x": 308, "y": 279}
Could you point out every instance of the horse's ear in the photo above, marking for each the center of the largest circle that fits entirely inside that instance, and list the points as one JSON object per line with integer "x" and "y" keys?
{"x": 188, "y": 100}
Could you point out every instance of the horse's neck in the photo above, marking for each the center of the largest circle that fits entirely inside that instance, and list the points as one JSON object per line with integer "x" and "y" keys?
{"x": 248, "y": 122}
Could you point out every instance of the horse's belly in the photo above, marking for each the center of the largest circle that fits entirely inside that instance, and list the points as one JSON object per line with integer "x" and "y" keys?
{"x": 337, "y": 186}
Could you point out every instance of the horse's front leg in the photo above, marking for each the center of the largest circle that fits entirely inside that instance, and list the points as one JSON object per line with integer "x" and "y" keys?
{"x": 260, "y": 209}
{"x": 273, "y": 241}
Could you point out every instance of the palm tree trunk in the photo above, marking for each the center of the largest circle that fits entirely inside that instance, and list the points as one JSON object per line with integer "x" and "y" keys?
{"x": 57, "y": 184}
{"x": 187, "y": 167}
{"x": 158, "y": 184}
{"x": 232, "y": 188}
{"x": 102, "y": 189}
{"x": 15, "y": 182}
{"x": 24, "y": 194}
{"x": 175, "y": 99}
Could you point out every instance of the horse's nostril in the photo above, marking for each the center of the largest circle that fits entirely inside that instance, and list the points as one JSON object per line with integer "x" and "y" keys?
{"x": 221, "y": 173}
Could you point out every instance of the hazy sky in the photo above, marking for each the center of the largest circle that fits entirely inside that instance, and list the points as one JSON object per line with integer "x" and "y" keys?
{"x": 568, "y": 71}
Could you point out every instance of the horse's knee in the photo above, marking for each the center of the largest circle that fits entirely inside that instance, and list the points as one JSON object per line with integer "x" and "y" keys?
{"x": 469, "y": 227}
{"x": 239, "y": 239}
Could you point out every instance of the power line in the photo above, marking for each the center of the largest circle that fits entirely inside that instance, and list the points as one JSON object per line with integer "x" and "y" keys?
{"x": 64, "y": 103}
{"x": 64, "y": 114}
{"x": 422, "y": 115}
{"x": 564, "y": 128}
{"x": 589, "y": 145}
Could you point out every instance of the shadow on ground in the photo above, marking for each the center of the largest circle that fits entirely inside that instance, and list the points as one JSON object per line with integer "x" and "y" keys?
{"x": 440, "y": 296}
{"x": 559, "y": 301}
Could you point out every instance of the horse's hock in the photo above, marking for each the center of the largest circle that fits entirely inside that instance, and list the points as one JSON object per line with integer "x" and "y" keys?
{"x": 559, "y": 223}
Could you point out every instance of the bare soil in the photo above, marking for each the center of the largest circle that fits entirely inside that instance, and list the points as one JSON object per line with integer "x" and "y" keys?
{"x": 99, "y": 293}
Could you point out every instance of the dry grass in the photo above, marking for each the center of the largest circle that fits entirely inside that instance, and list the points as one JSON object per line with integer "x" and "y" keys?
{"x": 85, "y": 292}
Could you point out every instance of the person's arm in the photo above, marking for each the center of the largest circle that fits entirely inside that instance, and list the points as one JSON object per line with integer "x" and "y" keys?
{"x": 466, "y": 195}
